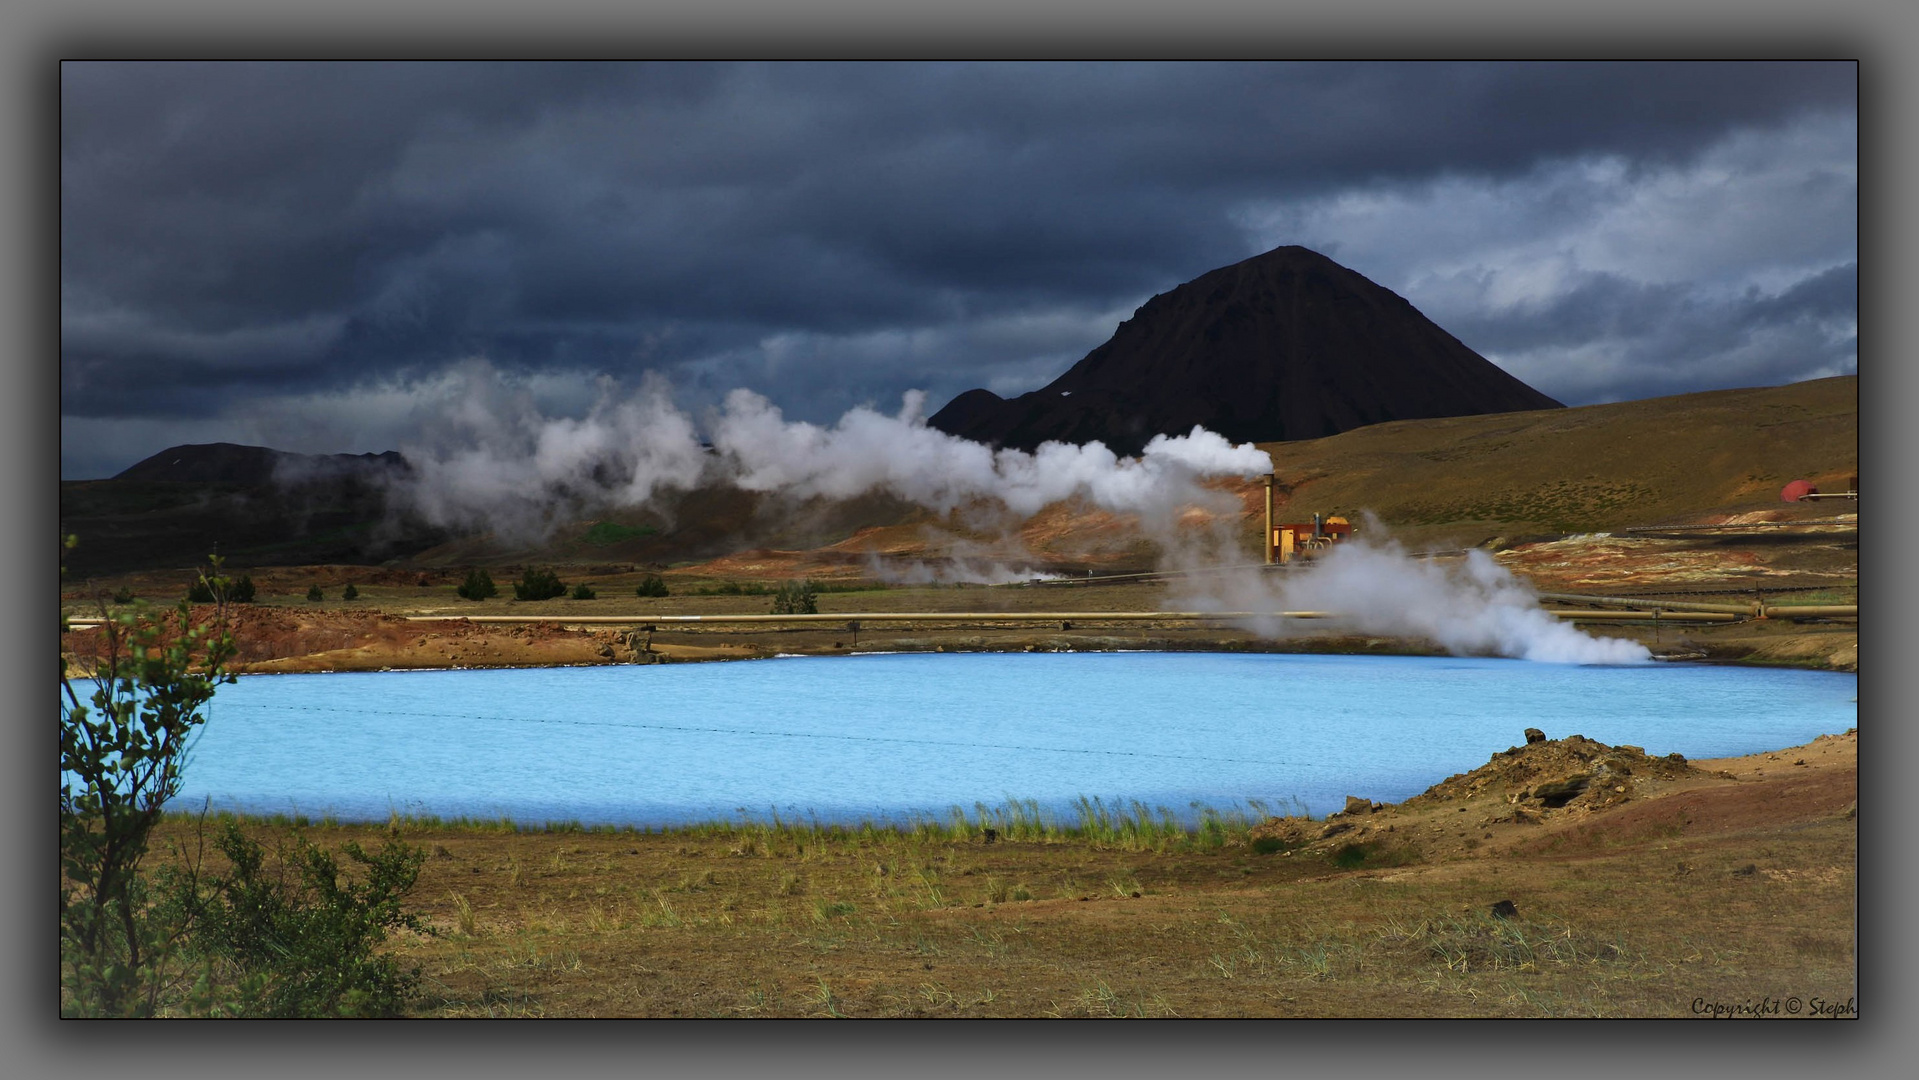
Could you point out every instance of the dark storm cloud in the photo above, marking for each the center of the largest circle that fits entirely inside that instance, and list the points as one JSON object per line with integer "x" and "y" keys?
{"x": 1671, "y": 341}
{"x": 827, "y": 234}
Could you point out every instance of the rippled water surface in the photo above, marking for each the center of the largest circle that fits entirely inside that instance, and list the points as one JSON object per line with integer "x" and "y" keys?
{"x": 886, "y": 737}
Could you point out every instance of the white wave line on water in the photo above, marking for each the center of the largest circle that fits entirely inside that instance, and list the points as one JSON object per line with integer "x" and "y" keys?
{"x": 799, "y": 735}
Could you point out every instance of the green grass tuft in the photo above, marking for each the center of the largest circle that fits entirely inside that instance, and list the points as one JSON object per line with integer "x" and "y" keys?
{"x": 612, "y": 532}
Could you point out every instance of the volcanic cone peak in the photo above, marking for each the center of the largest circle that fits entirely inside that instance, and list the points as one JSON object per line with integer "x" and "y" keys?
{"x": 1285, "y": 345}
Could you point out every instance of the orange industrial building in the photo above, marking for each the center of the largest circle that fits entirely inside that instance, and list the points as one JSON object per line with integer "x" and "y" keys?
{"x": 1286, "y": 542}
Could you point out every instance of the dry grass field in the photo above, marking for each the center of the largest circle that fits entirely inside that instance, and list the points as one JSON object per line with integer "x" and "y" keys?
{"x": 1727, "y": 883}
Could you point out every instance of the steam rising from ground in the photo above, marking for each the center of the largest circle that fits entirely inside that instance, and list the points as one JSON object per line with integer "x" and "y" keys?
{"x": 488, "y": 458}
{"x": 1469, "y": 607}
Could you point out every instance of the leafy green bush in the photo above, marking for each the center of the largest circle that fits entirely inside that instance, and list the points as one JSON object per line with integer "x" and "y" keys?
{"x": 241, "y": 593}
{"x": 478, "y": 586}
{"x": 651, "y": 585}
{"x": 298, "y": 941}
{"x": 124, "y": 595}
{"x": 539, "y": 585}
{"x": 583, "y": 591}
{"x": 796, "y": 598}
{"x": 314, "y": 593}
{"x": 350, "y": 593}
{"x": 120, "y": 759}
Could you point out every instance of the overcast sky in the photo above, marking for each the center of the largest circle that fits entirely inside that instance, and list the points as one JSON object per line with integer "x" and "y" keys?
{"x": 303, "y": 255}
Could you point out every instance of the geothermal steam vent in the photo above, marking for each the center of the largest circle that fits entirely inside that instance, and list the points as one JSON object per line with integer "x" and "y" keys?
{"x": 1286, "y": 345}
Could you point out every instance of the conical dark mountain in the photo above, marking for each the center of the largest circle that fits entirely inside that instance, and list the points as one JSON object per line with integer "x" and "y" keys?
{"x": 1286, "y": 345}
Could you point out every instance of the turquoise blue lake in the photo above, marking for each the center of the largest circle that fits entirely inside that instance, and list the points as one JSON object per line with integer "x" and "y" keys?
{"x": 888, "y": 737}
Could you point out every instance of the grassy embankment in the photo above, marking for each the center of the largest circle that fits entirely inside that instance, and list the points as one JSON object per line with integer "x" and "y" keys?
{"x": 1120, "y": 917}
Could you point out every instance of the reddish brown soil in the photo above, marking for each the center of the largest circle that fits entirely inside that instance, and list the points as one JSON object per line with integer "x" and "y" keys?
{"x": 1508, "y": 805}
{"x": 282, "y": 639}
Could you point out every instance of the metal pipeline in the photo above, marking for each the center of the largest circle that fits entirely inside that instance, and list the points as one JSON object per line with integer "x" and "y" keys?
{"x": 1749, "y": 610}
{"x": 886, "y": 616}
{"x": 1647, "y": 616}
{"x": 1812, "y": 611}
{"x": 1754, "y": 610}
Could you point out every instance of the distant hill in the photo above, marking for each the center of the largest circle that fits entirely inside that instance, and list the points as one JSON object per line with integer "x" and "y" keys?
{"x": 253, "y": 504}
{"x": 256, "y": 466}
{"x": 1283, "y": 346}
{"x": 1589, "y": 469}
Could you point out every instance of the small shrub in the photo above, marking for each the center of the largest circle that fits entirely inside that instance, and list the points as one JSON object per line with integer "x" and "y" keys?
{"x": 796, "y": 598}
{"x": 1374, "y": 854}
{"x": 314, "y": 593}
{"x": 350, "y": 593}
{"x": 124, "y": 596}
{"x": 221, "y": 591}
{"x": 478, "y": 586}
{"x": 651, "y": 585}
{"x": 539, "y": 585}
{"x": 583, "y": 591}
{"x": 298, "y": 941}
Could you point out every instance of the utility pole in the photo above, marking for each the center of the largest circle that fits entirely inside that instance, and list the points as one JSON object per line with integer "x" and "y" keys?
{"x": 1270, "y": 477}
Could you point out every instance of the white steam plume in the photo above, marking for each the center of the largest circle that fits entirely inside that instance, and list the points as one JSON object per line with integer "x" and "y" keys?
{"x": 488, "y": 458}
{"x": 1474, "y": 607}
{"x": 870, "y": 451}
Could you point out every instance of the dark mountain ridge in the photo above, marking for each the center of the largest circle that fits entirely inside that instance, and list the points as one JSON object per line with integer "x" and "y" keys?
{"x": 1283, "y": 346}
{"x": 254, "y": 505}
{"x": 257, "y": 466}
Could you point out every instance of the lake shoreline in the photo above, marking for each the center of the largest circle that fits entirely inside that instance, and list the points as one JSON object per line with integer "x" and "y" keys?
{"x": 274, "y": 639}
